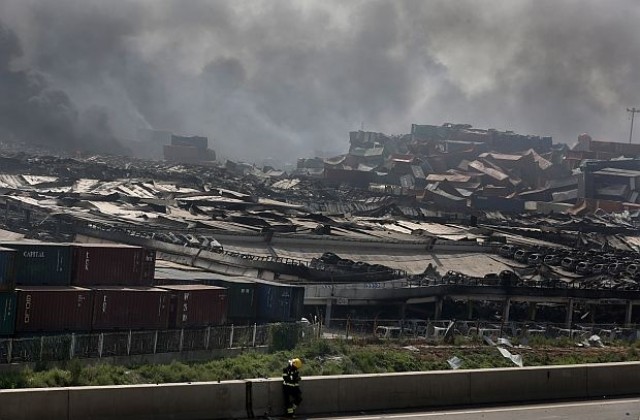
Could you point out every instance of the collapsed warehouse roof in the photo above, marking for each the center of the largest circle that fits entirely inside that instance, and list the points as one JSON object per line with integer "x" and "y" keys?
{"x": 398, "y": 201}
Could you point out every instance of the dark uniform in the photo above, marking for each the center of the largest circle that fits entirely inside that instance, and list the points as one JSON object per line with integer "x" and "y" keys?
{"x": 291, "y": 386}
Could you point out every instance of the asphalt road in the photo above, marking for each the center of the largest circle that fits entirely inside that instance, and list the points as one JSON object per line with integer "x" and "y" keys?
{"x": 628, "y": 409}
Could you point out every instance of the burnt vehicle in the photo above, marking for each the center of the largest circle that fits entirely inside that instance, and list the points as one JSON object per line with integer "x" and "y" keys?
{"x": 522, "y": 255}
{"x": 584, "y": 267}
{"x": 552, "y": 259}
{"x": 569, "y": 263}
{"x": 507, "y": 251}
{"x": 535, "y": 259}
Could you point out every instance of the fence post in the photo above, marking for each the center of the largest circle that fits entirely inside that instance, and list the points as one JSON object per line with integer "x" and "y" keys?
{"x": 41, "y": 347}
{"x": 9, "y": 350}
{"x": 155, "y": 342}
{"x": 255, "y": 330}
{"x": 181, "y": 340}
{"x": 100, "y": 344}
{"x": 129, "y": 344}
{"x": 231, "y": 337}
{"x": 72, "y": 347}
{"x": 207, "y": 338}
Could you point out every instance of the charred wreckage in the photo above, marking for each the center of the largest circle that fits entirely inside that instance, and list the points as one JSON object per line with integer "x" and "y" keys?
{"x": 444, "y": 222}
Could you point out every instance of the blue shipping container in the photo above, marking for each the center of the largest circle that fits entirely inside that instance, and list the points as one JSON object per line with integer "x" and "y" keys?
{"x": 274, "y": 301}
{"x": 41, "y": 264}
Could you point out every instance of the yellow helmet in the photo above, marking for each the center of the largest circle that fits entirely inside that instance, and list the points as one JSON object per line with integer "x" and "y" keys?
{"x": 297, "y": 363}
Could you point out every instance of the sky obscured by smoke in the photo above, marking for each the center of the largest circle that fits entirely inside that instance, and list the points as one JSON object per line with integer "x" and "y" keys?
{"x": 283, "y": 79}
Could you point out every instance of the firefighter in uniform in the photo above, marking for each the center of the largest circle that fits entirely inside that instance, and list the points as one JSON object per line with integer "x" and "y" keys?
{"x": 291, "y": 385}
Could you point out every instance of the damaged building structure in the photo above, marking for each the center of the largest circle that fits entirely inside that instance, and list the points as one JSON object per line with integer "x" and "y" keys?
{"x": 444, "y": 222}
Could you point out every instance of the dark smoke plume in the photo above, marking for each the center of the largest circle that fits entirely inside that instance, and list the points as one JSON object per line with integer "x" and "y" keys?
{"x": 32, "y": 111}
{"x": 282, "y": 79}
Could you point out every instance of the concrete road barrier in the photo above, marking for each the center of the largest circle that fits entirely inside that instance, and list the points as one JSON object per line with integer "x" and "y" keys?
{"x": 527, "y": 384}
{"x": 28, "y": 404}
{"x": 208, "y": 400}
{"x": 324, "y": 394}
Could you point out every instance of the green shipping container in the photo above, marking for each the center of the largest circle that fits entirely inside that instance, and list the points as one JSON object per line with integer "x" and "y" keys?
{"x": 242, "y": 299}
{"x": 41, "y": 263}
{"x": 7, "y": 313}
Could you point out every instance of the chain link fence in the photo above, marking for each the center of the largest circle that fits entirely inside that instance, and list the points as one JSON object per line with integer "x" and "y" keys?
{"x": 130, "y": 343}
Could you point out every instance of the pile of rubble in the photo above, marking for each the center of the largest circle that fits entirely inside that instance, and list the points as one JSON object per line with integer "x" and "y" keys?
{"x": 457, "y": 168}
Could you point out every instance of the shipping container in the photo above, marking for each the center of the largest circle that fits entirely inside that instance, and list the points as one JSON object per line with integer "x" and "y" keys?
{"x": 242, "y": 298}
{"x": 148, "y": 267}
{"x": 502, "y": 204}
{"x": 274, "y": 301}
{"x": 196, "y": 305}
{"x": 198, "y": 142}
{"x": 240, "y": 290}
{"x": 7, "y": 269}
{"x": 53, "y": 309}
{"x": 111, "y": 265}
{"x": 7, "y": 313}
{"x": 297, "y": 302}
{"x": 41, "y": 263}
{"x": 123, "y": 308}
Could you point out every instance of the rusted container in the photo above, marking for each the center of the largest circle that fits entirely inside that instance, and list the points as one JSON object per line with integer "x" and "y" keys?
{"x": 41, "y": 263}
{"x": 135, "y": 308}
{"x": 7, "y": 269}
{"x": 197, "y": 305}
{"x": 53, "y": 309}
{"x": 240, "y": 290}
{"x": 110, "y": 265}
{"x": 148, "y": 267}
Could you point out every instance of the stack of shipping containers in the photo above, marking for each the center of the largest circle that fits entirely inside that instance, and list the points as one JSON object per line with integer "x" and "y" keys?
{"x": 79, "y": 288}
{"x": 250, "y": 300}
{"x": 56, "y": 287}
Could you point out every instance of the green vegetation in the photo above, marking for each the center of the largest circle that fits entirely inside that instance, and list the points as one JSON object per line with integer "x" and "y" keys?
{"x": 322, "y": 357}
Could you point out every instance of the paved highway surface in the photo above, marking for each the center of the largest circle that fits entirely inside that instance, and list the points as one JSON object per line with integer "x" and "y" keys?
{"x": 628, "y": 409}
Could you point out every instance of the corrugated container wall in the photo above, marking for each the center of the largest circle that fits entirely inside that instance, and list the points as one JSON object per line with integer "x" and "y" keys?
{"x": 148, "y": 267}
{"x": 242, "y": 299}
{"x": 7, "y": 269}
{"x": 110, "y": 265}
{"x": 197, "y": 306}
{"x": 7, "y": 313}
{"x": 38, "y": 264}
{"x": 273, "y": 301}
{"x": 123, "y": 308}
{"x": 297, "y": 303}
{"x": 53, "y": 309}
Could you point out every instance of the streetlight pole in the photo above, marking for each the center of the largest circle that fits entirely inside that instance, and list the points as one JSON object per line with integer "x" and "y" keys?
{"x": 633, "y": 112}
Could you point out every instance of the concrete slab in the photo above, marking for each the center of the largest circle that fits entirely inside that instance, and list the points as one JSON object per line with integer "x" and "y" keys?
{"x": 171, "y": 402}
{"x": 28, "y": 404}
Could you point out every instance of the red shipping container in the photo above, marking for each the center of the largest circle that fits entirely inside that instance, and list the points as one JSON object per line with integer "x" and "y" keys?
{"x": 148, "y": 267}
{"x": 53, "y": 309}
{"x": 196, "y": 305}
{"x": 124, "y": 308}
{"x": 111, "y": 264}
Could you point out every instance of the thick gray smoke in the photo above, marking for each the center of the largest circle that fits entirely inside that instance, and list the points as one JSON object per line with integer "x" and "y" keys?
{"x": 283, "y": 79}
{"x": 32, "y": 111}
